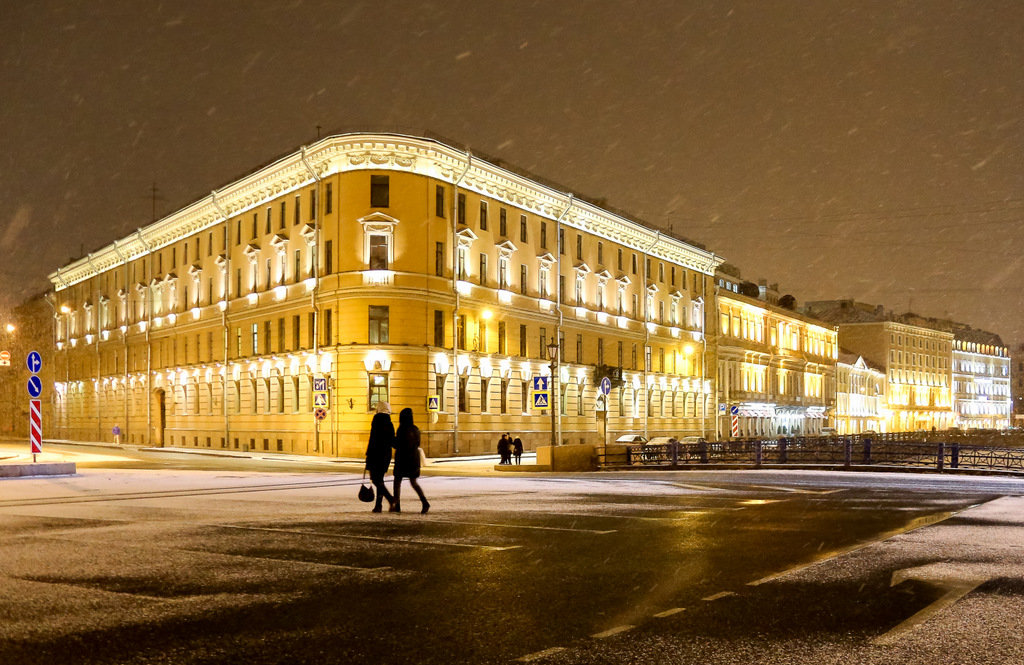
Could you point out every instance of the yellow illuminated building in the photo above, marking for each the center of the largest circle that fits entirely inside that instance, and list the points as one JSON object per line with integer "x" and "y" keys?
{"x": 776, "y": 368}
{"x": 392, "y": 269}
{"x": 860, "y": 396}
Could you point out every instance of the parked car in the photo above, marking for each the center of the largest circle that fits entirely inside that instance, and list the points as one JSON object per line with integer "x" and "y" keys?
{"x": 631, "y": 438}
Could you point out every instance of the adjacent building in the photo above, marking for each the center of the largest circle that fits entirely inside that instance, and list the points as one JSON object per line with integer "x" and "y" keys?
{"x": 776, "y": 367}
{"x": 860, "y": 396}
{"x": 277, "y": 312}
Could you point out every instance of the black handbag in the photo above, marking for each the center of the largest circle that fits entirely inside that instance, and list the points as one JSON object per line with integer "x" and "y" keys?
{"x": 365, "y": 492}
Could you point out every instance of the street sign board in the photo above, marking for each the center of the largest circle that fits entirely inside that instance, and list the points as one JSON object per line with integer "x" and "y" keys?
{"x": 541, "y": 399}
{"x": 541, "y": 383}
{"x": 34, "y": 362}
{"x": 734, "y": 410}
{"x": 35, "y": 386}
{"x": 320, "y": 383}
{"x": 601, "y": 403}
{"x": 606, "y": 386}
{"x": 5, "y": 358}
{"x": 35, "y": 425}
{"x": 320, "y": 414}
{"x": 320, "y": 400}
{"x": 433, "y": 403}
{"x": 721, "y": 408}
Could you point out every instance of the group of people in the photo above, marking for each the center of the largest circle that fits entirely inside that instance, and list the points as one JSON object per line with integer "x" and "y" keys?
{"x": 507, "y": 447}
{"x": 406, "y": 444}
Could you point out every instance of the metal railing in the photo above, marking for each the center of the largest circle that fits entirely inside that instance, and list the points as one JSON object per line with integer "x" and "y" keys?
{"x": 831, "y": 452}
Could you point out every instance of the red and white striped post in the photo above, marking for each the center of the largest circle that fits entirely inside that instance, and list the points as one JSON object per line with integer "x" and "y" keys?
{"x": 35, "y": 426}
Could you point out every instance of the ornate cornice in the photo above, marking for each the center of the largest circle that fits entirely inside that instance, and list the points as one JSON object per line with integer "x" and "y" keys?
{"x": 353, "y": 152}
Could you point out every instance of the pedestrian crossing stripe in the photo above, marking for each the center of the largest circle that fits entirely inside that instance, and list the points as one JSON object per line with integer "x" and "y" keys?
{"x": 540, "y": 400}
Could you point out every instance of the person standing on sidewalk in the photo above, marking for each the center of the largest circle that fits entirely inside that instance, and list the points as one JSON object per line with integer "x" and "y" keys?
{"x": 378, "y": 452}
{"x": 517, "y": 449}
{"x": 407, "y": 460}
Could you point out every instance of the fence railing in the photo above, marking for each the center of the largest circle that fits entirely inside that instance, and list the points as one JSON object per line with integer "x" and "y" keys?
{"x": 833, "y": 452}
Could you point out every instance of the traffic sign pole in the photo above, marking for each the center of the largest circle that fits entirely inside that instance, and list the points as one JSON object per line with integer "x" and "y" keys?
{"x": 34, "y": 362}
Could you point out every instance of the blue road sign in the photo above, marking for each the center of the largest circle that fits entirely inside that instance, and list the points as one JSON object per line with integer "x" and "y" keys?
{"x": 540, "y": 400}
{"x": 606, "y": 386}
{"x": 734, "y": 410}
{"x": 433, "y": 403}
{"x": 540, "y": 383}
{"x": 34, "y": 362}
{"x": 35, "y": 386}
{"x": 320, "y": 383}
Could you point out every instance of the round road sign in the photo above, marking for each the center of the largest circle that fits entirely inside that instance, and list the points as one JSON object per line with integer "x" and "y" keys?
{"x": 35, "y": 386}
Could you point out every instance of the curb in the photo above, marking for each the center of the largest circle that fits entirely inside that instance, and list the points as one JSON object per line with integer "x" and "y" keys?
{"x": 33, "y": 470}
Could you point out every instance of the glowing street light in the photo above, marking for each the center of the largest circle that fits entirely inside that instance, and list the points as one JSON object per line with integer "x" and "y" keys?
{"x": 553, "y": 356}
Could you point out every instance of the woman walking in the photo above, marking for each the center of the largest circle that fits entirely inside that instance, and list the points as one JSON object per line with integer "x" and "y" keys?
{"x": 378, "y": 452}
{"x": 407, "y": 460}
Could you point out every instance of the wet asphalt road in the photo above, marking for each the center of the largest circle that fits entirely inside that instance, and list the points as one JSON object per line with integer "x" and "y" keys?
{"x": 234, "y": 565}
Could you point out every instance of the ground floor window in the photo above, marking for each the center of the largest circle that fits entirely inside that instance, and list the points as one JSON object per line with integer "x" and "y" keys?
{"x": 378, "y": 389}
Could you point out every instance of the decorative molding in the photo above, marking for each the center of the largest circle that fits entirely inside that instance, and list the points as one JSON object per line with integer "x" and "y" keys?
{"x": 353, "y": 152}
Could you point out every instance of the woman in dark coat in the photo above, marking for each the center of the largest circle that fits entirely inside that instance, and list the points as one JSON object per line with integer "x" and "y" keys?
{"x": 517, "y": 449}
{"x": 407, "y": 459}
{"x": 378, "y": 452}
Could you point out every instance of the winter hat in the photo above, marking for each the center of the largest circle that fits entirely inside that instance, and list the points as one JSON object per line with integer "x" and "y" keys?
{"x": 384, "y": 407}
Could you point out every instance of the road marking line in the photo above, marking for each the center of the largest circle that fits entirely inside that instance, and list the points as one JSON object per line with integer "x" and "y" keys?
{"x": 955, "y": 593}
{"x": 521, "y": 526}
{"x": 668, "y": 613}
{"x": 917, "y": 523}
{"x": 687, "y": 512}
{"x": 795, "y": 490}
{"x": 612, "y": 631}
{"x": 492, "y": 548}
{"x": 720, "y": 594}
{"x": 540, "y": 654}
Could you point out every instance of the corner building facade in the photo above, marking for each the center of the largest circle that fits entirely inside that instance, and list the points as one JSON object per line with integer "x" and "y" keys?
{"x": 394, "y": 269}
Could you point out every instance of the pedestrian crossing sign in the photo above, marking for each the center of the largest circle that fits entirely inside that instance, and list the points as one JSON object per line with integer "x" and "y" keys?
{"x": 433, "y": 403}
{"x": 541, "y": 399}
{"x": 320, "y": 400}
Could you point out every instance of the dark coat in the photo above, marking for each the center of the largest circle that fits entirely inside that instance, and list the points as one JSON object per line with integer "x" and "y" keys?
{"x": 378, "y": 451}
{"x": 407, "y": 447}
{"x": 517, "y": 446}
{"x": 504, "y": 445}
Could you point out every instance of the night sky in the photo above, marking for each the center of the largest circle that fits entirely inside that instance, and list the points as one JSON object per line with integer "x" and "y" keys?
{"x": 843, "y": 149}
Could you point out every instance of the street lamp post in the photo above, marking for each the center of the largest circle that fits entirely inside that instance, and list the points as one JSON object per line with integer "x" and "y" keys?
{"x": 553, "y": 356}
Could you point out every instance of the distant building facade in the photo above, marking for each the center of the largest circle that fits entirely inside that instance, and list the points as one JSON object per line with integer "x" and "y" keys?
{"x": 981, "y": 380}
{"x": 917, "y": 362}
{"x": 384, "y": 268}
{"x": 776, "y": 368}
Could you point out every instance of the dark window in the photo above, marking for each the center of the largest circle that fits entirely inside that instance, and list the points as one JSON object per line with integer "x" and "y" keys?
{"x": 503, "y": 222}
{"x": 579, "y": 247}
{"x": 439, "y": 259}
{"x": 282, "y": 216}
{"x": 543, "y": 234}
{"x": 255, "y": 224}
{"x": 460, "y": 331}
{"x": 483, "y": 270}
{"x": 661, "y": 272}
{"x": 647, "y": 268}
{"x": 380, "y": 191}
{"x": 267, "y": 345}
{"x": 438, "y": 328}
{"x": 267, "y": 219}
{"x": 561, "y": 240}
{"x": 328, "y": 328}
{"x": 672, "y": 273}
{"x": 298, "y": 265}
{"x": 328, "y": 258}
{"x": 523, "y": 281}
{"x": 522, "y": 340}
{"x": 379, "y": 315}
{"x": 280, "y": 335}
{"x": 633, "y": 364}
{"x": 439, "y": 201}
{"x": 620, "y": 259}
{"x": 579, "y": 349}
{"x": 600, "y": 253}
{"x": 460, "y": 214}
{"x": 634, "y": 264}
{"x": 463, "y": 402}
{"x": 483, "y": 215}
{"x": 378, "y": 252}
{"x": 312, "y": 204}
{"x": 329, "y": 199}
{"x": 522, "y": 228}
{"x": 296, "y": 333}
{"x": 501, "y": 337}
{"x": 238, "y": 232}
{"x": 295, "y": 211}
